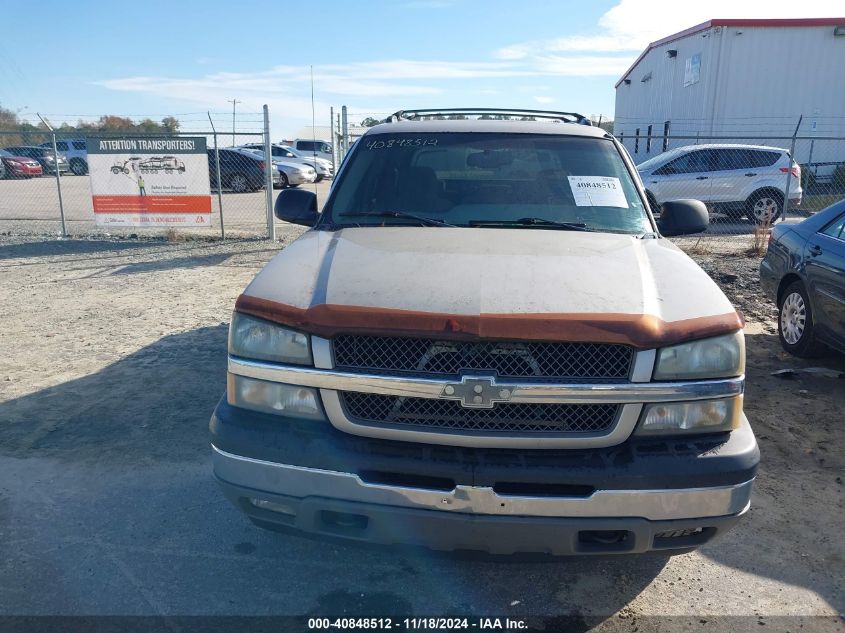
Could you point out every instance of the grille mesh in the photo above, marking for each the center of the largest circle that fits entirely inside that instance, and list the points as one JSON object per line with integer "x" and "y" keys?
{"x": 505, "y": 417}
{"x": 535, "y": 360}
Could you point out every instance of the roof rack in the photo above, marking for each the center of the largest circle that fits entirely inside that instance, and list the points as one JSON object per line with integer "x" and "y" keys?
{"x": 566, "y": 117}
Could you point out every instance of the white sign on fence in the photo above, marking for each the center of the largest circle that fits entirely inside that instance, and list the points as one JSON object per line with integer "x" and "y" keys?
{"x": 153, "y": 182}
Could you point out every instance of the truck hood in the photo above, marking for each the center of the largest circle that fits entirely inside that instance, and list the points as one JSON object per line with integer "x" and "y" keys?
{"x": 518, "y": 284}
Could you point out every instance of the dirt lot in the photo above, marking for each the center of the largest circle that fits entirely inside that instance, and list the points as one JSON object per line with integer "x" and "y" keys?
{"x": 113, "y": 357}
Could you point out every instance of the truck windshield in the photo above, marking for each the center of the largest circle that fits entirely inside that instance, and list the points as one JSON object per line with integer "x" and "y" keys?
{"x": 487, "y": 179}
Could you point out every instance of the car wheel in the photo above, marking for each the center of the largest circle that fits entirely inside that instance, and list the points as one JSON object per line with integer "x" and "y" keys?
{"x": 238, "y": 183}
{"x": 764, "y": 207}
{"x": 284, "y": 183}
{"x": 319, "y": 178}
{"x": 78, "y": 166}
{"x": 795, "y": 322}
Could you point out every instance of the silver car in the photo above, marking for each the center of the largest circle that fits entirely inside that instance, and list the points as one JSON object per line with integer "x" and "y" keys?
{"x": 290, "y": 174}
{"x": 286, "y": 153}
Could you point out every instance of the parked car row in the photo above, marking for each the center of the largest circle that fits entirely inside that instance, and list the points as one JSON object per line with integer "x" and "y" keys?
{"x": 243, "y": 169}
{"x": 286, "y": 154}
{"x": 18, "y": 162}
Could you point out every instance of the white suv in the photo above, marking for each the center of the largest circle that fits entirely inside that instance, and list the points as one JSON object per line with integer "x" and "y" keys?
{"x": 733, "y": 179}
{"x": 76, "y": 152}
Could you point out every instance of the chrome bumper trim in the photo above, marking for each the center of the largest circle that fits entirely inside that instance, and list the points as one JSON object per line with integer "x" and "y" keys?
{"x": 572, "y": 393}
{"x": 269, "y": 478}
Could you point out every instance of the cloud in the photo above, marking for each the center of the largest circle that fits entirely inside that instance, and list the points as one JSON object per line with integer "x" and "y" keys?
{"x": 632, "y": 24}
{"x": 544, "y": 100}
{"x": 385, "y": 83}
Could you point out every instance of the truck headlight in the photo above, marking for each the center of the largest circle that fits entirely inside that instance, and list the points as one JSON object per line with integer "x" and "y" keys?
{"x": 717, "y": 357}
{"x": 273, "y": 397}
{"x": 701, "y": 416}
{"x": 258, "y": 339}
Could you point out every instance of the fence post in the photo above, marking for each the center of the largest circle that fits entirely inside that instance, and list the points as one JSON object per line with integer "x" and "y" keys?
{"x": 268, "y": 184}
{"x": 219, "y": 182}
{"x": 58, "y": 176}
{"x": 345, "y": 130}
{"x": 331, "y": 136}
{"x": 789, "y": 170}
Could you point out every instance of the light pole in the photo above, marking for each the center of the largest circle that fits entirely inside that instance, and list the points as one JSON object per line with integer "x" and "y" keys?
{"x": 234, "y": 103}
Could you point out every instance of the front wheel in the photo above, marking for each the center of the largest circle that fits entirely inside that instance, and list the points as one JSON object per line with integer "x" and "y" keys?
{"x": 238, "y": 183}
{"x": 284, "y": 183}
{"x": 795, "y": 322}
{"x": 764, "y": 207}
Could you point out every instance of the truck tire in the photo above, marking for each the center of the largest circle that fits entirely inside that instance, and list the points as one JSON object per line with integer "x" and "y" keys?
{"x": 795, "y": 322}
{"x": 764, "y": 207}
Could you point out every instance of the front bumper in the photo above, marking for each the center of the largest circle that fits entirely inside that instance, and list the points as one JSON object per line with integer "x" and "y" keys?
{"x": 298, "y": 178}
{"x": 632, "y": 498}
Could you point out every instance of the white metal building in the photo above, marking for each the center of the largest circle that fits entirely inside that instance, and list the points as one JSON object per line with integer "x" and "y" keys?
{"x": 735, "y": 78}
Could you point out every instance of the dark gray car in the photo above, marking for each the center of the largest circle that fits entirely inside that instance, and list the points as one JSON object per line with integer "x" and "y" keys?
{"x": 804, "y": 272}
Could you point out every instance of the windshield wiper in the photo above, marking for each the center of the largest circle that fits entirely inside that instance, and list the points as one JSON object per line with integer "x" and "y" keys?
{"x": 566, "y": 226}
{"x": 398, "y": 214}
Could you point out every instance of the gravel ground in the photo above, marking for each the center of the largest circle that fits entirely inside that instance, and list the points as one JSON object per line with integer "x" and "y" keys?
{"x": 113, "y": 358}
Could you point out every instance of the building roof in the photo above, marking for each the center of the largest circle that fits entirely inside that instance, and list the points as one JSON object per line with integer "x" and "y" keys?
{"x": 487, "y": 125}
{"x": 731, "y": 22}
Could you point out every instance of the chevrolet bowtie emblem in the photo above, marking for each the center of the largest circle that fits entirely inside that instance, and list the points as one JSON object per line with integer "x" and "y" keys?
{"x": 476, "y": 393}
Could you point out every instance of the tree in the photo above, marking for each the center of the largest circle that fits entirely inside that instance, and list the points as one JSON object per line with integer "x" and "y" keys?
{"x": 26, "y": 133}
{"x": 8, "y": 120}
{"x": 170, "y": 124}
{"x": 369, "y": 122}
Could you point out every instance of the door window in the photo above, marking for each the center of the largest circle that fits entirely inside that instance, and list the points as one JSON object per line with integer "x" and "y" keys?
{"x": 691, "y": 163}
{"x": 835, "y": 228}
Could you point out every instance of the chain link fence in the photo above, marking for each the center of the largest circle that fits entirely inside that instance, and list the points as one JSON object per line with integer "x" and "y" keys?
{"x": 747, "y": 183}
{"x": 43, "y": 194}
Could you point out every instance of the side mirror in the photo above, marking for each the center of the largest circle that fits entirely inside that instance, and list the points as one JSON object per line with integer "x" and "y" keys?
{"x": 683, "y": 217}
{"x": 297, "y": 206}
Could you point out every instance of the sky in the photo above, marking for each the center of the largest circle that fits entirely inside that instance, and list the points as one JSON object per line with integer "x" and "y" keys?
{"x": 181, "y": 57}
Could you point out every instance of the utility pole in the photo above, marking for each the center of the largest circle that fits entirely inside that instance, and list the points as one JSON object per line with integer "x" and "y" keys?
{"x": 234, "y": 103}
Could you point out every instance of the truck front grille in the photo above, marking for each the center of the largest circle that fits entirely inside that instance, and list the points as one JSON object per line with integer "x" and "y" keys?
{"x": 504, "y": 417}
{"x": 539, "y": 361}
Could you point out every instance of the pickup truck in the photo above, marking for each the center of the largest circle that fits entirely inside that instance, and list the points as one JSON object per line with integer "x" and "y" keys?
{"x": 486, "y": 342}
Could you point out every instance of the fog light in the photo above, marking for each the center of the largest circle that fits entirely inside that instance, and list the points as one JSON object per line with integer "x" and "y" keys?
{"x": 273, "y": 397}
{"x": 702, "y": 416}
{"x": 273, "y": 506}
